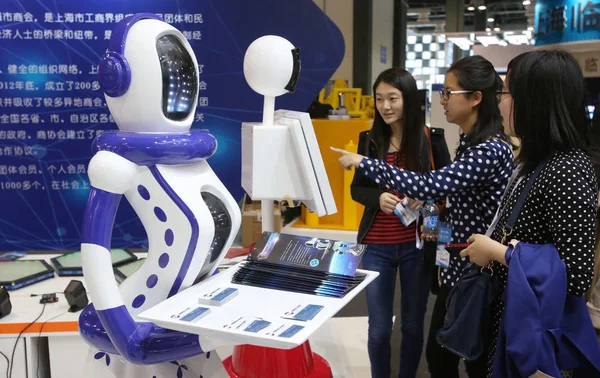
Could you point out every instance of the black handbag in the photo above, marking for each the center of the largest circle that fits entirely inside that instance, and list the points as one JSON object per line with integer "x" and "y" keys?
{"x": 466, "y": 325}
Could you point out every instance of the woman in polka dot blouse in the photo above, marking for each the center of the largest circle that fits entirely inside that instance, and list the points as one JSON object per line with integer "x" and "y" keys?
{"x": 473, "y": 184}
{"x": 543, "y": 106}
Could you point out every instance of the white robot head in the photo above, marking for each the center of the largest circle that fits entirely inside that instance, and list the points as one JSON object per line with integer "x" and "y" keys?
{"x": 149, "y": 76}
{"x": 272, "y": 66}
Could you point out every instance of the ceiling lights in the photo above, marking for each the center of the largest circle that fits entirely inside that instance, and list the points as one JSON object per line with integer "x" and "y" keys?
{"x": 465, "y": 40}
{"x": 480, "y": 4}
{"x": 487, "y": 40}
{"x": 517, "y": 39}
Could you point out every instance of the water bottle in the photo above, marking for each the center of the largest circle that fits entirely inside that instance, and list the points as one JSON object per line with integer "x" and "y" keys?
{"x": 431, "y": 217}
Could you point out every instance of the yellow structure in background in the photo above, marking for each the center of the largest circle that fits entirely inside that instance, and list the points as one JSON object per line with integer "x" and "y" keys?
{"x": 358, "y": 106}
{"x": 340, "y": 134}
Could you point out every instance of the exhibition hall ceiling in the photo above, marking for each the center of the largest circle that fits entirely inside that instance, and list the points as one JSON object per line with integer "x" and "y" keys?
{"x": 430, "y": 15}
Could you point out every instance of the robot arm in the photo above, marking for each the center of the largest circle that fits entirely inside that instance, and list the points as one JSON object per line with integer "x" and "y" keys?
{"x": 110, "y": 176}
{"x": 107, "y": 324}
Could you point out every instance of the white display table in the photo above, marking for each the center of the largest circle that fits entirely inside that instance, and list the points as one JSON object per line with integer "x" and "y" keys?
{"x": 229, "y": 321}
{"x": 60, "y": 351}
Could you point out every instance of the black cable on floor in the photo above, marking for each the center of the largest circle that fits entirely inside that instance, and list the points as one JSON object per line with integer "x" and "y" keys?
{"x": 37, "y": 372}
{"x": 7, "y": 363}
{"x": 9, "y": 374}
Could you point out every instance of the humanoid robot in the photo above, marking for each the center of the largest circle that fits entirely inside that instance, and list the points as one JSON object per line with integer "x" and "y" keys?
{"x": 150, "y": 79}
{"x": 322, "y": 244}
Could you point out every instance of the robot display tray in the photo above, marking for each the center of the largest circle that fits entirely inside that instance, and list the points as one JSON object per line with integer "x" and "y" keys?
{"x": 257, "y": 316}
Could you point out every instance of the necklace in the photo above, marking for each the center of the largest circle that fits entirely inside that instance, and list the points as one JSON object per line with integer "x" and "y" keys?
{"x": 396, "y": 154}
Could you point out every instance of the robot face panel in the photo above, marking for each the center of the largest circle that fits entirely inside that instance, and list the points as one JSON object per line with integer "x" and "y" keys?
{"x": 163, "y": 92}
{"x": 179, "y": 78}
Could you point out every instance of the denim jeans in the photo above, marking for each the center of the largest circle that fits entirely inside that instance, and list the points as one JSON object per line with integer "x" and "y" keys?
{"x": 414, "y": 288}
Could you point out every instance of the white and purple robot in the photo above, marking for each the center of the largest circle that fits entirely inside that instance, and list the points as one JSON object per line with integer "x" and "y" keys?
{"x": 150, "y": 79}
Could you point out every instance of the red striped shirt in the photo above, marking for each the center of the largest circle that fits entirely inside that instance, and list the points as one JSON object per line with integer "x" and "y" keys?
{"x": 387, "y": 228}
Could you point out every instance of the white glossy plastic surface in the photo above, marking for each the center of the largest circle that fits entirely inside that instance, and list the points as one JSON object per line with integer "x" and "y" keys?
{"x": 251, "y": 303}
{"x": 302, "y": 129}
{"x": 268, "y": 65}
{"x": 284, "y": 161}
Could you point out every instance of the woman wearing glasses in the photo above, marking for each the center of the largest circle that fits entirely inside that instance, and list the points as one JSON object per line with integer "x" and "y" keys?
{"x": 472, "y": 185}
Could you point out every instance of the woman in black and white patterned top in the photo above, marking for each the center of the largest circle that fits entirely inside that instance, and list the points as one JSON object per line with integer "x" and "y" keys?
{"x": 543, "y": 105}
{"x": 473, "y": 184}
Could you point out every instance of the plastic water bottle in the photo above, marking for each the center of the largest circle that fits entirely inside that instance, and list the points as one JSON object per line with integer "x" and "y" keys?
{"x": 431, "y": 217}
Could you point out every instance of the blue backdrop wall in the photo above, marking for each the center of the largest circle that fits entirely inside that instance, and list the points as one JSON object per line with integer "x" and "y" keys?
{"x": 51, "y": 107}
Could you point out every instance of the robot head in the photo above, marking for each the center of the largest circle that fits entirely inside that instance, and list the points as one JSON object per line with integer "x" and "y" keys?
{"x": 149, "y": 76}
{"x": 272, "y": 66}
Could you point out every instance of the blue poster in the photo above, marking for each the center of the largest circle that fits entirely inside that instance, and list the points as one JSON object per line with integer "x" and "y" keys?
{"x": 563, "y": 21}
{"x": 51, "y": 107}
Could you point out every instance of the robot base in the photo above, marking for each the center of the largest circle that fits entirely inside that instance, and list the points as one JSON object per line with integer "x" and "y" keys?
{"x": 250, "y": 361}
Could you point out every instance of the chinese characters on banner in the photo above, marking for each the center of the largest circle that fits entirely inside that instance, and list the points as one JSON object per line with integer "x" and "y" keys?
{"x": 50, "y": 102}
{"x": 560, "y": 21}
{"x": 52, "y": 108}
{"x": 589, "y": 63}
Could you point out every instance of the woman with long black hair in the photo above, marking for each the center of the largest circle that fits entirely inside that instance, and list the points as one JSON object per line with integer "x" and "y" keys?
{"x": 543, "y": 105}
{"x": 472, "y": 185}
{"x": 397, "y": 137}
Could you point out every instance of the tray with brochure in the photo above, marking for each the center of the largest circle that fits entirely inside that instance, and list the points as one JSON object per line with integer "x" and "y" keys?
{"x": 302, "y": 264}
{"x": 269, "y": 313}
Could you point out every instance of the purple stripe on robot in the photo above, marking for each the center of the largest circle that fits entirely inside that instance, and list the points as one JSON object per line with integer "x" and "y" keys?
{"x": 99, "y": 217}
{"x": 142, "y": 343}
{"x": 189, "y": 254}
{"x": 150, "y": 149}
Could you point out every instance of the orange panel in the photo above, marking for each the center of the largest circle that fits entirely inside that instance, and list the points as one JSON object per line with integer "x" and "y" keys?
{"x": 16, "y": 328}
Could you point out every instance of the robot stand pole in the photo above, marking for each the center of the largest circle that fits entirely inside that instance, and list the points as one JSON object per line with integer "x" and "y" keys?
{"x": 267, "y": 206}
{"x": 268, "y": 111}
{"x": 263, "y": 58}
{"x": 268, "y": 215}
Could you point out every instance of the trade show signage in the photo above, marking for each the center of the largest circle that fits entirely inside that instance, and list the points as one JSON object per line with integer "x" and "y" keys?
{"x": 51, "y": 106}
{"x": 589, "y": 61}
{"x": 563, "y": 21}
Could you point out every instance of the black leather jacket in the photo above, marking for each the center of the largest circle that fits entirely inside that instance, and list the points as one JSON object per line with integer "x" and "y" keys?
{"x": 367, "y": 192}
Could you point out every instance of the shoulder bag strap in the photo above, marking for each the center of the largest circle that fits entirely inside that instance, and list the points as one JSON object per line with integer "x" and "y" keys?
{"x": 512, "y": 220}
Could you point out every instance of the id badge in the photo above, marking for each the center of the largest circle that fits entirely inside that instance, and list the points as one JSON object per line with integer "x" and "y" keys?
{"x": 442, "y": 257}
{"x": 444, "y": 233}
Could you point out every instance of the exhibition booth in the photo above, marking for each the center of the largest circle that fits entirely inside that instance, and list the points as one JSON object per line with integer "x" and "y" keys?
{"x": 170, "y": 205}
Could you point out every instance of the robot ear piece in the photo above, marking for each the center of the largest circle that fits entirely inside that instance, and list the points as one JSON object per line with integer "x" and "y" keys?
{"x": 114, "y": 74}
{"x": 291, "y": 85}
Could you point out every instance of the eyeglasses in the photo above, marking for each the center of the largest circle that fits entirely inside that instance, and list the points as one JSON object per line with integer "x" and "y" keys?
{"x": 445, "y": 94}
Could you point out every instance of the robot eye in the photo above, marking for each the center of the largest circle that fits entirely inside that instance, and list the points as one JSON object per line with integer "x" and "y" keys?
{"x": 179, "y": 78}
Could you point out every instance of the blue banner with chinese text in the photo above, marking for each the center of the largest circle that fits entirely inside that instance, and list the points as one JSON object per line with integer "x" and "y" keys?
{"x": 51, "y": 107}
